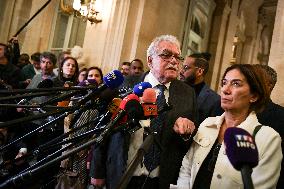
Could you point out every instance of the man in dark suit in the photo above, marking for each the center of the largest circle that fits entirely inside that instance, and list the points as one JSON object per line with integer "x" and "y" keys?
{"x": 10, "y": 74}
{"x": 193, "y": 73}
{"x": 273, "y": 114}
{"x": 30, "y": 70}
{"x": 163, "y": 57}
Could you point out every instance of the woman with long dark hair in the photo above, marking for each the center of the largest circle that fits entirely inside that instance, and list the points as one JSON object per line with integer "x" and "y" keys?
{"x": 68, "y": 72}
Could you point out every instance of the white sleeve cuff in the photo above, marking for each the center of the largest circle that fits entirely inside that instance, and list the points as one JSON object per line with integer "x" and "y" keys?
{"x": 23, "y": 150}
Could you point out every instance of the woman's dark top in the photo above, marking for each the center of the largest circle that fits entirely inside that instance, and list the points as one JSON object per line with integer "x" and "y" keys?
{"x": 205, "y": 173}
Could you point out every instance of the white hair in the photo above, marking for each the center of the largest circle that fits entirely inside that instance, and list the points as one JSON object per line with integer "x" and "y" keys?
{"x": 152, "y": 49}
{"x": 77, "y": 52}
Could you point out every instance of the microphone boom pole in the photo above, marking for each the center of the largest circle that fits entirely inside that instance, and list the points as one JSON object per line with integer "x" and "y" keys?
{"x": 29, "y": 174}
{"x": 31, "y": 118}
{"x": 149, "y": 140}
{"x": 37, "y": 129}
{"x": 17, "y": 91}
{"x": 32, "y": 106}
{"x": 26, "y": 95}
{"x": 37, "y": 12}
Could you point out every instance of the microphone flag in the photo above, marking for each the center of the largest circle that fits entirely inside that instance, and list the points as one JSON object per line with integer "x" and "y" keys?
{"x": 240, "y": 148}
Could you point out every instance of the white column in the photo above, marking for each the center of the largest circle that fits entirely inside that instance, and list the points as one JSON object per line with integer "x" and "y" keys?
{"x": 38, "y": 31}
{"x": 219, "y": 48}
{"x": 276, "y": 57}
{"x": 137, "y": 29}
{"x": 229, "y": 40}
{"x": 103, "y": 41}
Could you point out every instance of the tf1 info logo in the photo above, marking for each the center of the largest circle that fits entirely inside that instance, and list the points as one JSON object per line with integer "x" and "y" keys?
{"x": 245, "y": 141}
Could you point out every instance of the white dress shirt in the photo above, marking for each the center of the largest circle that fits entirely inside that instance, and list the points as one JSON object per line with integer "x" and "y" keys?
{"x": 136, "y": 139}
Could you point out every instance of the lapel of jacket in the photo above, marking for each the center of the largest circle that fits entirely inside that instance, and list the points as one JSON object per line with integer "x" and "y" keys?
{"x": 172, "y": 93}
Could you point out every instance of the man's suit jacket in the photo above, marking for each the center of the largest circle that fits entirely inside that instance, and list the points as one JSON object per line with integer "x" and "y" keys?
{"x": 273, "y": 116}
{"x": 28, "y": 72}
{"x": 113, "y": 164}
{"x": 209, "y": 104}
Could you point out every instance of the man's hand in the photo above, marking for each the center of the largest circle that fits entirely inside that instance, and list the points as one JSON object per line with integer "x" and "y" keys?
{"x": 20, "y": 109}
{"x": 98, "y": 182}
{"x": 184, "y": 127}
{"x": 14, "y": 39}
{"x": 22, "y": 152}
{"x": 27, "y": 81}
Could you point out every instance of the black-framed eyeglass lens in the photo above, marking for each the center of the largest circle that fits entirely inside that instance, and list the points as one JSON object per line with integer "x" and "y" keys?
{"x": 185, "y": 67}
{"x": 213, "y": 159}
{"x": 169, "y": 55}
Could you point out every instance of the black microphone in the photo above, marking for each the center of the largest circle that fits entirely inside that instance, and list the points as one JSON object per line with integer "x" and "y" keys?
{"x": 35, "y": 117}
{"x": 28, "y": 96}
{"x": 46, "y": 83}
{"x": 112, "y": 81}
{"x": 129, "y": 107}
{"x": 242, "y": 153}
{"x": 86, "y": 83}
{"x": 101, "y": 104}
{"x": 130, "y": 112}
{"x": 60, "y": 98}
{"x": 138, "y": 89}
{"x": 63, "y": 98}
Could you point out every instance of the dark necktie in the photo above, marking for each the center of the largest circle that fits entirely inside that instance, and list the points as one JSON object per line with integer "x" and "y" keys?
{"x": 152, "y": 157}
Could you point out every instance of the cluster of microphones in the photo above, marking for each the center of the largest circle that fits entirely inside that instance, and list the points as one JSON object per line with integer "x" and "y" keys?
{"x": 119, "y": 109}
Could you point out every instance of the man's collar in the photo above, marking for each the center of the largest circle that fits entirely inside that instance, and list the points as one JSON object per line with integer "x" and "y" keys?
{"x": 50, "y": 76}
{"x": 153, "y": 81}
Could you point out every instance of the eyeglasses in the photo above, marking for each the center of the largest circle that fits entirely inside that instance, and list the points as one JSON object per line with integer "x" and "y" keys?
{"x": 212, "y": 162}
{"x": 186, "y": 67}
{"x": 167, "y": 56}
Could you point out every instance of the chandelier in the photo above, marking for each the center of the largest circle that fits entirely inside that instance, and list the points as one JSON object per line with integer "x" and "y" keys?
{"x": 85, "y": 9}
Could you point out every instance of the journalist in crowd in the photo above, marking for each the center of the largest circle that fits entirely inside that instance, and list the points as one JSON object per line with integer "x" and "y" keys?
{"x": 206, "y": 165}
{"x": 159, "y": 167}
{"x": 68, "y": 73}
{"x": 193, "y": 73}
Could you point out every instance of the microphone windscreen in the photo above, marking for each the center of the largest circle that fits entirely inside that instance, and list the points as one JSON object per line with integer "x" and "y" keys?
{"x": 46, "y": 83}
{"x": 64, "y": 103}
{"x": 132, "y": 113}
{"x": 108, "y": 94}
{"x": 240, "y": 148}
{"x": 149, "y": 96}
{"x": 92, "y": 82}
{"x": 113, "y": 79}
{"x": 113, "y": 106}
{"x": 82, "y": 83}
{"x": 88, "y": 82}
{"x": 134, "y": 109}
{"x": 126, "y": 99}
{"x": 140, "y": 87}
{"x": 68, "y": 84}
